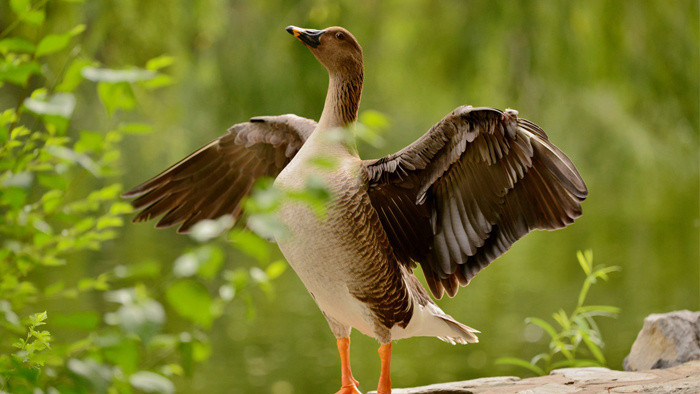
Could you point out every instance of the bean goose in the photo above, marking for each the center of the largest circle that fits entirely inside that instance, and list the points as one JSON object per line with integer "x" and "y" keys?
{"x": 452, "y": 201}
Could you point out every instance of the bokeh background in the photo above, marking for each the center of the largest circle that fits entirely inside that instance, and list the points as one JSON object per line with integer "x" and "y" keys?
{"x": 615, "y": 84}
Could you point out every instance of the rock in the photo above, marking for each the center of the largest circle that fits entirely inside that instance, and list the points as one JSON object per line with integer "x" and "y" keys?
{"x": 463, "y": 387}
{"x": 684, "y": 378}
{"x": 550, "y": 388}
{"x": 591, "y": 375}
{"x": 666, "y": 340}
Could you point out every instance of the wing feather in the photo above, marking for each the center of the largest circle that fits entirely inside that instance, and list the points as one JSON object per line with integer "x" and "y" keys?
{"x": 212, "y": 181}
{"x": 484, "y": 178}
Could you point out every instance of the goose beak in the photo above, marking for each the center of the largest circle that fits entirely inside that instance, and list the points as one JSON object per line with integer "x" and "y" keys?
{"x": 309, "y": 37}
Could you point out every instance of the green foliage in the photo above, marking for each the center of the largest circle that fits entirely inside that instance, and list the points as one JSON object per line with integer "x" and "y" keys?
{"x": 574, "y": 329}
{"x": 59, "y": 201}
{"x": 34, "y": 343}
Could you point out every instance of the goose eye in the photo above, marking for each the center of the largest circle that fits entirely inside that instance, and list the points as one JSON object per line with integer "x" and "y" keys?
{"x": 339, "y": 36}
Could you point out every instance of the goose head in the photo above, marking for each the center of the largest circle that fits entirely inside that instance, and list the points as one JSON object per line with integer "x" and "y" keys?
{"x": 334, "y": 47}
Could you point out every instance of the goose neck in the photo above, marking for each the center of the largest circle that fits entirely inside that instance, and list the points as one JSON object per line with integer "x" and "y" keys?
{"x": 342, "y": 100}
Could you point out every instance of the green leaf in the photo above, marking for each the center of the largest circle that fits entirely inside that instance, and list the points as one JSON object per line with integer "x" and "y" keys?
{"x": 78, "y": 29}
{"x": 562, "y": 318}
{"x": 18, "y": 132}
{"x": 89, "y": 141}
{"x": 13, "y": 196}
{"x": 125, "y": 354}
{"x": 158, "y": 81}
{"x": 561, "y": 364}
{"x": 23, "y": 8}
{"x": 600, "y": 310}
{"x": 60, "y": 104}
{"x": 374, "y": 119}
{"x": 34, "y": 17}
{"x": 542, "y": 324}
{"x": 146, "y": 269}
{"x": 542, "y": 356}
{"x": 20, "y": 7}
{"x": 7, "y": 116}
{"x": 250, "y": 244}
{"x": 172, "y": 370}
{"x": 151, "y": 382}
{"x": 53, "y": 181}
{"x": 73, "y": 75}
{"x": 115, "y": 96}
{"x": 604, "y": 271}
{"x": 211, "y": 262}
{"x": 40, "y": 239}
{"x": 18, "y": 73}
{"x": 585, "y": 263}
{"x": 37, "y": 319}
{"x": 159, "y": 62}
{"x": 135, "y": 128}
{"x": 595, "y": 350}
{"x": 276, "y": 269}
{"x": 108, "y": 221}
{"x": 120, "y": 208}
{"x": 520, "y": 363}
{"x": 563, "y": 348}
{"x": 16, "y": 45}
{"x": 106, "y": 193}
{"x": 52, "y": 43}
{"x": 192, "y": 301}
{"x": 201, "y": 351}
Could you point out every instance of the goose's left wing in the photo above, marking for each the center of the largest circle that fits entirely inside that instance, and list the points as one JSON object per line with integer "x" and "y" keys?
{"x": 463, "y": 193}
{"x": 212, "y": 181}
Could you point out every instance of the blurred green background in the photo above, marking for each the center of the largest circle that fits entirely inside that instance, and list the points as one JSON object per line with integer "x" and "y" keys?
{"x": 615, "y": 84}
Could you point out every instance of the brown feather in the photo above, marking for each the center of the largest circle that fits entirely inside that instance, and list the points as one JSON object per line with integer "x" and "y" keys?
{"x": 213, "y": 180}
{"x": 485, "y": 178}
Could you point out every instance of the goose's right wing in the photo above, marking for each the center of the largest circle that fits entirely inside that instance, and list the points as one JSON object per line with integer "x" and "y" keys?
{"x": 464, "y": 192}
{"x": 212, "y": 181}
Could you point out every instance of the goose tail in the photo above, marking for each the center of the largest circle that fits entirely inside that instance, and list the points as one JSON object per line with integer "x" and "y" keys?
{"x": 464, "y": 333}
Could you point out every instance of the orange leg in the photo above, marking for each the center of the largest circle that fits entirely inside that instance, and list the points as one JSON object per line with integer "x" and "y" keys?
{"x": 385, "y": 376}
{"x": 349, "y": 384}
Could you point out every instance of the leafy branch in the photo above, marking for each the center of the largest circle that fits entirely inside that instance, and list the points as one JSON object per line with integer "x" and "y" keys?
{"x": 578, "y": 327}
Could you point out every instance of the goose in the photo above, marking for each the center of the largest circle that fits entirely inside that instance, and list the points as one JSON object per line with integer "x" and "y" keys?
{"x": 452, "y": 202}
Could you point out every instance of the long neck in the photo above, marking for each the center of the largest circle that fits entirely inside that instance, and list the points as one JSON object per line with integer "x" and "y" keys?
{"x": 342, "y": 99}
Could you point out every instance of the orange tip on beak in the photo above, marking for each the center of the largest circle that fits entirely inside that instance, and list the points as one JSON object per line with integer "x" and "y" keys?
{"x": 309, "y": 37}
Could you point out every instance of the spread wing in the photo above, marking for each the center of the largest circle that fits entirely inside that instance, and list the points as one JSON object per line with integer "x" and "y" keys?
{"x": 463, "y": 193}
{"x": 212, "y": 181}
